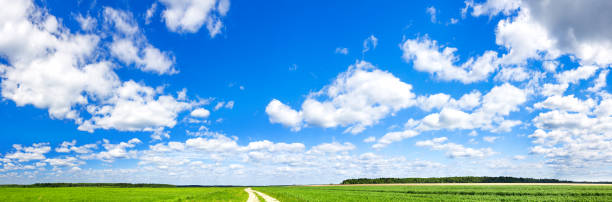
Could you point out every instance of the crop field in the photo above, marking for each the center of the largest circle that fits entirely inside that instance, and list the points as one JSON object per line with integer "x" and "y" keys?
{"x": 123, "y": 194}
{"x": 441, "y": 193}
{"x": 430, "y": 192}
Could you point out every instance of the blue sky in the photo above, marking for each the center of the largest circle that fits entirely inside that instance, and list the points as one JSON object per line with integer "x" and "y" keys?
{"x": 241, "y": 92}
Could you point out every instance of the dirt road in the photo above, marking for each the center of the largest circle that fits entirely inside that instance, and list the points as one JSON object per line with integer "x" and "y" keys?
{"x": 253, "y": 197}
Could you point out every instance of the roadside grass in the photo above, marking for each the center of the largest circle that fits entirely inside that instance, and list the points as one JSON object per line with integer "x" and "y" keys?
{"x": 441, "y": 193}
{"x": 123, "y": 194}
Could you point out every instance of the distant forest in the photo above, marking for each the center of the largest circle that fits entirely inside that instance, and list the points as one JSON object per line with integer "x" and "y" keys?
{"x": 116, "y": 185}
{"x": 467, "y": 179}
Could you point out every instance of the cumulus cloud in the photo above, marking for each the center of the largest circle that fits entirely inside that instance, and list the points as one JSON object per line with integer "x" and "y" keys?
{"x": 200, "y": 113}
{"x": 333, "y": 147}
{"x": 426, "y": 56}
{"x": 487, "y": 113}
{"x": 455, "y": 150}
{"x": 131, "y": 47}
{"x": 67, "y": 147}
{"x": 189, "y": 15}
{"x": 283, "y": 114}
{"x": 51, "y": 68}
{"x": 23, "y": 154}
{"x": 548, "y": 29}
{"x": 573, "y": 133}
{"x": 135, "y": 107}
{"x": 496, "y": 104}
{"x": 357, "y": 98}
{"x": 115, "y": 151}
{"x": 394, "y": 137}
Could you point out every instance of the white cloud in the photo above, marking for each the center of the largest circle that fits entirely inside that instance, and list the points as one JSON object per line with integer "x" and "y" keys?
{"x": 341, "y": 50}
{"x": 87, "y": 23}
{"x": 130, "y": 46}
{"x": 516, "y": 74}
{"x": 333, "y": 147}
{"x": 493, "y": 7}
{"x": 438, "y": 101}
{"x": 496, "y": 104}
{"x": 369, "y": 43}
{"x": 394, "y": 137}
{"x": 566, "y": 103}
{"x": 135, "y": 107}
{"x": 455, "y": 150}
{"x": 283, "y": 114}
{"x": 150, "y": 12}
{"x": 54, "y": 80}
{"x": 67, "y": 147}
{"x": 115, "y": 151}
{"x": 369, "y": 139}
{"x": 35, "y": 152}
{"x": 432, "y": 13}
{"x": 200, "y": 113}
{"x": 546, "y": 30}
{"x": 490, "y": 139}
{"x": 53, "y": 69}
{"x": 64, "y": 162}
{"x": 217, "y": 144}
{"x": 190, "y": 15}
{"x": 426, "y": 57}
{"x": 575, "y": 75}
{"x": 600, "y": 82}
{"x": 358, "y": 98}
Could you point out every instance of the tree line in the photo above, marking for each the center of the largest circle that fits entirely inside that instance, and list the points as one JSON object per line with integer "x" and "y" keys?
{"x": 465, "y": 179}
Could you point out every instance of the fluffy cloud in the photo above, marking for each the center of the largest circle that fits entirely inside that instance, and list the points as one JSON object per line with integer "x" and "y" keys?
{"x": 35, "y": 152}
{"x": 548, "y": 29}
{"x": 51, "y": 68}
{"x": 200, "y": 113}
{"x": 394, "y": 137}
{"x": 135, "y": 107}
{"x": 488, "y": 114}
{"x": 574, "y": 133}
{"x": 455, "y": 150}
{"x": 358, "y": 98}
{"x": 493, "y": 7}
{"x": 190, "y": 15}
{"x": 496, "y": 104}
{"x": 333, "y": 147}
{"x": 56, "y": 79}
{"x": 438, "y": 101}
{"x": 67, "y": 147}
{"x": 283, "y": 114}
{"x": 426, "y": 56}
{"x": 115, "y": 151}
{"x": 131, "y": 47}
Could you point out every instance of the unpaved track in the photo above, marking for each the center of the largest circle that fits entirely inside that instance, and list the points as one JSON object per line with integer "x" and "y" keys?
{"x": 266, "y": 197}
{"x": 252, "y": 196}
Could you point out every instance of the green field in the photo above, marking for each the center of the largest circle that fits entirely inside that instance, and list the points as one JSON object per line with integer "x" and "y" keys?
{"x": 123, "y": 194}
{"x": 441, "y": 193}
{"x": 321, "y": 193}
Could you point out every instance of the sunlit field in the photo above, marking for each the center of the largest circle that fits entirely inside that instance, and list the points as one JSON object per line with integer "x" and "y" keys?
{"x": 123, "y": 194}
{"x": 441, "y": 193}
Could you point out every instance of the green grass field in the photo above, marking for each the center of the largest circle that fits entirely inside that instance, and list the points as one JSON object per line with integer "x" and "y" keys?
{"x": 323, "y": 193}
{"x": 123, "y": 194}
{"x": 441, "y": 193}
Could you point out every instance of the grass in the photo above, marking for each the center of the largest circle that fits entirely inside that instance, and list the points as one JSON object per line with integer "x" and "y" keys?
{"x": 441, "y": 193}
{"x": 123, "y": 194}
